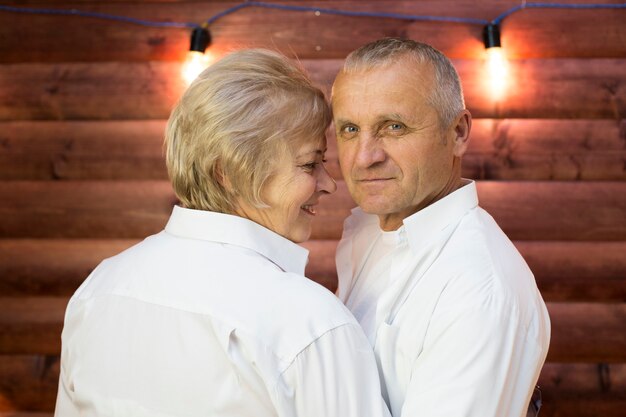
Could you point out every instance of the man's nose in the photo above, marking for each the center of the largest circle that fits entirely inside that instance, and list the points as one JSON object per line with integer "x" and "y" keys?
{"x": 370, "y": 151}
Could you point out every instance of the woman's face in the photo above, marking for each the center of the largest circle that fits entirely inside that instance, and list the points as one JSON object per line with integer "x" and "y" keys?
{"x": 293, "y": 192}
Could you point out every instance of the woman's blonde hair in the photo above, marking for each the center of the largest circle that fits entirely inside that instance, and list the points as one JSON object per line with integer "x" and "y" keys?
{"x": 226, "y": 133}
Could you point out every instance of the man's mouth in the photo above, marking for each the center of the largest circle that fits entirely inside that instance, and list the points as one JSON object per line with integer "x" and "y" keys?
{"x": 372, "y": 180}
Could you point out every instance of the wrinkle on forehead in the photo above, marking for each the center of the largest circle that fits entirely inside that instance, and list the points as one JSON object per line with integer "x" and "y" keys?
{"x": 402, "y": 89}
{"x": 422, "y": 73}
{"x": 312, "y": 147}
{"x": 315, "y": 152}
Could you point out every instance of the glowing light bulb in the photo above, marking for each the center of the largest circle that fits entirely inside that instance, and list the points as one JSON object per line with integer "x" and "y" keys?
{"x": 197, "y": 60}
{"x": 194, "y": 64}
{"x": 497, "y": 68}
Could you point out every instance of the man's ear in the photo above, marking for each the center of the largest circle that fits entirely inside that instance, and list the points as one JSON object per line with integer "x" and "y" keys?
{"x": 461, "y": 127}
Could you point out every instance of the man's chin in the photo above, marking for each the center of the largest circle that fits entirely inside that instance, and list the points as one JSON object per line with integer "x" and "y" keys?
{"x": 376, "y": 208}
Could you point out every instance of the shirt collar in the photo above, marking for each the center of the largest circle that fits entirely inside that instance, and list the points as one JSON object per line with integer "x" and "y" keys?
{"x": 235, "y": 230}
{"x": 422, "y": 226}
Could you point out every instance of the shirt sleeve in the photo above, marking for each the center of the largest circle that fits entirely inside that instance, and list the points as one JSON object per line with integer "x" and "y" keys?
{"x": 475, "y": 362}
{"x": 335, "y": 376}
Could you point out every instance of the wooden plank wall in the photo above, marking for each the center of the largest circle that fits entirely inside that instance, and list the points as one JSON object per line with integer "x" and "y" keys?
{"x": 83, "y": 103}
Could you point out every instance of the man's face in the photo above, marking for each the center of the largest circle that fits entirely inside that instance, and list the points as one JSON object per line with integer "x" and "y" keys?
{"x": 395, "y": 156}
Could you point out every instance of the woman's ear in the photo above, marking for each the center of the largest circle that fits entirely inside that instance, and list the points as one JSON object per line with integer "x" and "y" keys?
{"x": 222, "y": 178}
{"x": 462, "y": 127}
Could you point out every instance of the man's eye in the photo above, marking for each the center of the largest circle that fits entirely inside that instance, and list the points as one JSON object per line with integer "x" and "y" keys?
{"x": 395, "y": 126}
{"x": 349, "y": 129}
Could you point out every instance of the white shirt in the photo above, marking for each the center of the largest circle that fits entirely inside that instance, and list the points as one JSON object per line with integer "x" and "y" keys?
{"x": 212, "y": 317}
{"x": 461, "y": 329}
{"x": 374, "y": 277}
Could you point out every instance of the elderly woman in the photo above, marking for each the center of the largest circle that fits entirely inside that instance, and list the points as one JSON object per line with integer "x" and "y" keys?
{"x": 213, "y": 316}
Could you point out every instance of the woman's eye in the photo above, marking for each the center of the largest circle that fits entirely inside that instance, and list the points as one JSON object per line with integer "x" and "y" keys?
{"x": 395, "y": 126}
{"x": 309, "y": 167}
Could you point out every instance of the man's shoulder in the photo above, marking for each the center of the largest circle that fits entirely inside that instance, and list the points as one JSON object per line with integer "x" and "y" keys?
{"x": 480, "y": 245}
{"x": 484, "y": 268}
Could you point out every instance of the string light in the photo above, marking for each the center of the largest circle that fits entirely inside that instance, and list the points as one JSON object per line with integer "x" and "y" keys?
{"x": 197, "y": 60}
{"x": 497, "y": 65}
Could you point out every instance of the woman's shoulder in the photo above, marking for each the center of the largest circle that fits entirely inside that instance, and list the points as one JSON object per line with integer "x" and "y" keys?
{"x": 293, "y": 316}
{"x": 236, "y": 287}
{"x": 296, "y": 299}
{"x": 313, "y": 300}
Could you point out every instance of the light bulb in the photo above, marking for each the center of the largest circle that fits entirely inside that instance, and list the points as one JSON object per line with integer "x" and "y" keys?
{"x": 497, "y": 69}
{"x": 197, "y": 60}
{"x": 194, "y": 64}
{"x": 497, "y": 66}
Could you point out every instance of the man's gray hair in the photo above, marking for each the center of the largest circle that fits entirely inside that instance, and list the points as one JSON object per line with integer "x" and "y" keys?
{"x": 446, "y": 97}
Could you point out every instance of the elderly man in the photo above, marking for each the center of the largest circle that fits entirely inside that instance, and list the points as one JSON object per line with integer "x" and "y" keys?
{"x": 449, "y": 305}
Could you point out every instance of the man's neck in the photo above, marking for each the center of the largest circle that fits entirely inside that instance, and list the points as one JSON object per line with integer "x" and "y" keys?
{"x": 393, "y": 221}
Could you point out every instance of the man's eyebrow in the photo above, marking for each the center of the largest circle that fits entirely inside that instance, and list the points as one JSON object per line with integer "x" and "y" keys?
{"x": 391, "y": 116}
{"x": 340, "y": 122}
{"x": 379, "y": 119}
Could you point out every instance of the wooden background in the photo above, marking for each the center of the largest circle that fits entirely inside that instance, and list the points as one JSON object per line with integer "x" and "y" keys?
{"x": 83, "y": 104}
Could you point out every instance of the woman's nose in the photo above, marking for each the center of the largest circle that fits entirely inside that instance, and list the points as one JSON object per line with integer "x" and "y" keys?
{"x": 325, "y": 182}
